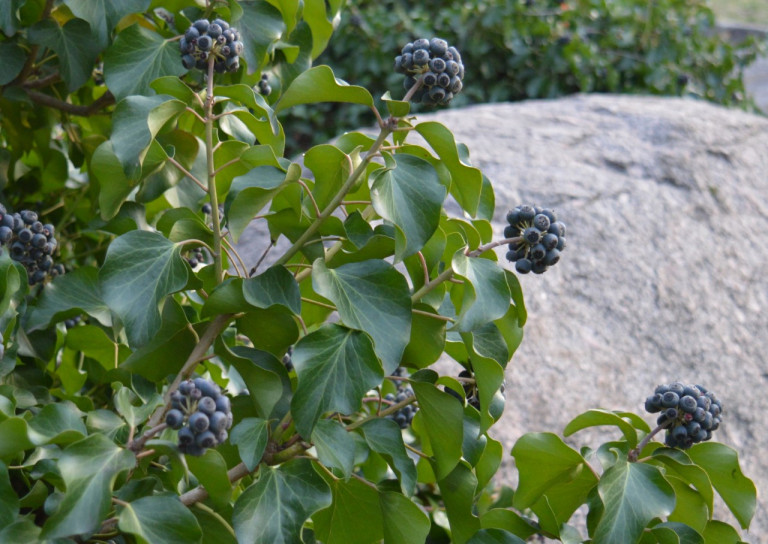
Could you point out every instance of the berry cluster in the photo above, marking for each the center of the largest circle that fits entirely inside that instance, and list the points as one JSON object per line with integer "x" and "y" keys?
{"x": 196, "y": 257}
{"x": 437, "y": 65}
{"x": 690, "y": 413}
{"x": 263, "y": 86}
{"x": 215, "y": 39}
{"x": 201, "y": 413}
{"x": 72, "y": 322}
{"x": 540, "y": 238}
{"x": 29, "y": 242}
{"x": 404, "y": 416}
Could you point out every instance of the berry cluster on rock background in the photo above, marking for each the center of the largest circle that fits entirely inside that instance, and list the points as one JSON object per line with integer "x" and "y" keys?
{"x": 439, "y": 67}
{"x": 29, "y": 242}
{"x": 205, "y": 39}
{"x": 690, "y": 413}
{"x": 202, "y": 415}
{"x": 404, "y": 416}
{"x": 540, "y": 238}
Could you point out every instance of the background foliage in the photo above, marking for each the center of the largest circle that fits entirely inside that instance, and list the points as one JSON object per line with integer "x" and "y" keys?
{"x": 539, "y": 49}
{"x": 107, "y": 135}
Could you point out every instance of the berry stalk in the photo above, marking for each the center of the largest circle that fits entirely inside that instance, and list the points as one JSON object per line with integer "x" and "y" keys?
{"x": 212, "y": 195}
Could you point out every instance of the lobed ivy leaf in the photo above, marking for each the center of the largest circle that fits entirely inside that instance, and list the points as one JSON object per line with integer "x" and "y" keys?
{"x": 141, "y": 268}
{"x": 76, "y": 290}
{"x": 135, "y": 122}
{"x": 335, "y": 446}
{"x": 385, "y": 438}
{"x": 409, "y": 195}
{"x": 103, "y": 15}
{"x": 94, "y": 343}
{"x": 599, "y": 417}
{"x": 210, "y": 469}
{"x": 318, "y": 84}
{"x": 250, "y": 436}
{"x": 274, "y": 286}
{"x": 721, "y": 464}
{"x": 89, "y": 469}
{"x": 74, "y": 46}
{"x": 9, "y": 501}
{"x": 485, "y": 295}
{"x": 159, "y": 518}
{"x": 136, "y": 58}
{"x": 335, "y": 367}
{"x": 543, "y": 461}
{"x": 633, "y": 494}
{"x": 14, "y": 437}
{"x": 371, "y": 296}
{"x": 678, "y": 463}
{"x": 404, "y": 522}
{"x": 260, "y": 26}
{"x": 275, "y": 507}
{"x": 57, "y": 423}
{"x": 353, "y": 517}
{"x": 443, "y": 417}
{"x": 466, "y": 181}
{"x": 495, "y": 536}
{"x": 458, "y": 489}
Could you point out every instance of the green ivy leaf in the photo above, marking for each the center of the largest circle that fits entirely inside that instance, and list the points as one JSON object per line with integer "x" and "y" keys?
{"x": 458, "y": 489}
{"x": 335, "y": 446}
{"x": 599, "y": 417}
{"x": 94, "y": 343}
{"x": 485, "y": 296}
{"x": 489, "y": 462}
{"x": 495, "y": 536}
{"x": 404, "y": 522}
{"x": 250, "y": 436}
{"x": 210, "y": 469}
{"x": 427, "y": 341}
{"x": 216, "y": 530}
{"x": 57, "y": 423}
{"x": 411, "y": 197}
{"x": 721, "y": 463}
{"x": 508, "y": 520}
{"x": 275, "y": 507}
{"x": 466, "y": 181}
{"x": 260, "y": 27}
{"x": 136, "y": 58}
{"x": 633, "y": 494}
{"x": 9, "y": 501}
{"x": 9, "y": 20}
{"x": 330, "y": 167}
{"x": 89, "y": 468}
{"x": 318, "y": 84}
{"x": 141, "y": 268}
{"x": 12, "y": 58}
{"x": 103, "y": 15}
{"x": 354, "y": 516}
{"x": 73, "y": 44}
{"x": 252, "y": 191}
{"x": 371, "y": 296}
{"x": 159, "y": 518}
{"x": 679, "y": 464}
{"x": 135, "y": 122}
{"x": 443, "y": 417}
{"x": 385, "y": 437}
{"x": 114, "y": 185}
{"x": 718, "y": 532}
{"x": 13, "y": 437}
{"x": 543, "y": 461}
{"x": 673, "y": 532}
{"x": 75, "y": 290}
{"x": 23, "y": 530}
{"x": 275, "y": 286}
{"x": 315, "y": 16}
{"x": 335, "y": 367}
{"x": 182, "y": 224}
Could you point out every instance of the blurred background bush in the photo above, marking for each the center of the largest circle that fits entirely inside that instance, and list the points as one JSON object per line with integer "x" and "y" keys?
{"x": 524, "y": 49}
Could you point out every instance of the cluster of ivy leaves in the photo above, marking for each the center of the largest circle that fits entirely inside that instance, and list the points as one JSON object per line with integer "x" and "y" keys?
{"x": 533, "y": 49}
{"x": 107, "y": 135}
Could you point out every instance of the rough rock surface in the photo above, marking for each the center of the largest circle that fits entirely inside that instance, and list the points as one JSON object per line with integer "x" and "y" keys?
{"x": 664, "y": 277}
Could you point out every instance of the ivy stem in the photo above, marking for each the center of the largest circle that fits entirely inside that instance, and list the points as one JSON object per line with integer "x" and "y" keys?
{"x": 482, "y": 249}
{"x": 212, "y": 195}
{"x": 391, "y": 410}
{"x": 633, "y": 454}
{"x": 218, "y": 324}
{"x": 331, "y": 207}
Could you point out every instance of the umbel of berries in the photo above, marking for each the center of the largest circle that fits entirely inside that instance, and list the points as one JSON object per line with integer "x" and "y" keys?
{"x": 206, "y": 39}
{"x": 404, "y": 416}
{"x": 202, "y": 415}
{"x": 689, "y": 413}
{"x": 538, "y": 238}
{"x": 437, "y": 65}
{"x": 29, "y": 242}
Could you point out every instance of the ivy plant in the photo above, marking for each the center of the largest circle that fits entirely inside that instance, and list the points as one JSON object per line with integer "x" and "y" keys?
{"x": 156, "y": 388}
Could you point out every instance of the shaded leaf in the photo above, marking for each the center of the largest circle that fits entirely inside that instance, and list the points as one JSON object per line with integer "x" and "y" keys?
{"x": 89, "y": 468}
{"x": 57, "y": 423}
{"x": 9, "y": 502}
{"x": 275, "y": 286}
{"x": 250, "y": 436}
{"x": 385, "y": 437}
{"x": 210, "y": 469}
{"x": 411, "y": 197}
{"x": 354, "y": 516}
{"x": 485, "y": 294}
{"x": 141, "y": 268}
{"x": 252, "y": 191}
{"x": 12, "y": 58}
{"x": 458, "y": 489}
{"x": 335, "y": 446}
{"x": 371, "y": 296}
{"x": 275, "y": 507}
{"x": 443, "y": 417}
{"x": 74, "y": 47}
{"x": 159, "y": 518}
{"x": 495, "y": 536}
{"x": 404, "y": 522}
{"x": 260, "y": 26}
{"x": 103, "y": 15}
{"x": 335, "y": 367}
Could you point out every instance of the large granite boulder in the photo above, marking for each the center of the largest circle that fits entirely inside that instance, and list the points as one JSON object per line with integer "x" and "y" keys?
{"x": 664, "y": 276}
